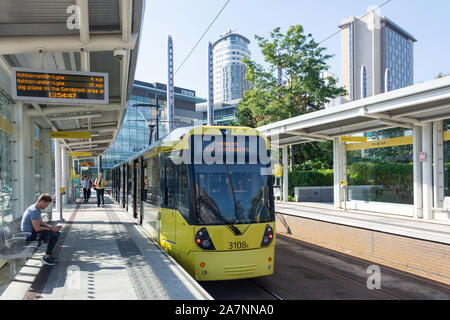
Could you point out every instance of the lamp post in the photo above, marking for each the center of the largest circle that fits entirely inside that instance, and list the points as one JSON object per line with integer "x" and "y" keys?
{"x": 151, "y": 126}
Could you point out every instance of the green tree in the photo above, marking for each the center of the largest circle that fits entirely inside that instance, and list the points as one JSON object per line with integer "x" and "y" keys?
{"x": 442, "y": 75}
{"x": 303, "y": 63}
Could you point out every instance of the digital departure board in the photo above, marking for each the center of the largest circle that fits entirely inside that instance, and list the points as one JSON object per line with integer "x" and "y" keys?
{"x": 55, "y": 87}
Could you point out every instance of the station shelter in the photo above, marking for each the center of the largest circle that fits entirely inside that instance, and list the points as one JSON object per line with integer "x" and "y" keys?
{"x": 66, "y": 73}
{"x": 401, "y": 136}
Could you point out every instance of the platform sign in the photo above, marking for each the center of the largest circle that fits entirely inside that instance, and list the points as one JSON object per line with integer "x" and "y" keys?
{"x": 446, "y": 135}
{"x": 422, "y": 156}
{"x": 88, "y": 164}
{"x": 352, "y": 139}
{"x": 70, "y": 135}
{"x": 80, "y": 154}
{"x": 59, "y": 87}
{"x": 392, "y": 142}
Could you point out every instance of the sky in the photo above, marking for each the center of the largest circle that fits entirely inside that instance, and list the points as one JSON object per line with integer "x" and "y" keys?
{"x": 186, "y": 21}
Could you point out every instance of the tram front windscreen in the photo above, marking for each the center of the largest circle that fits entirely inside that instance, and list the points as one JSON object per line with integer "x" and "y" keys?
{"x": 232, "y": 194}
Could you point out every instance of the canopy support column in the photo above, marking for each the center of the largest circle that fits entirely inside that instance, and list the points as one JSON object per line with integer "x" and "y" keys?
{"x": 285, "y": 174}
{"x": 58, "y": 173}
{"x": 417, "y": 172}
{"x": 427, "y": 171}
{"x": 340, "y": 171}
{"x": 438, "y": 164}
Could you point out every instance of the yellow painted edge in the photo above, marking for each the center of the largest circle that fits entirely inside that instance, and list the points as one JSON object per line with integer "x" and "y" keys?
{"x": 70, "y": 134}
{"x": 446, "y": 135}
{"x": 352, "y": 139}
{"x": 392, "y": 142}
{"x": 80, "y": 154}
{"x": 5, "y": 125}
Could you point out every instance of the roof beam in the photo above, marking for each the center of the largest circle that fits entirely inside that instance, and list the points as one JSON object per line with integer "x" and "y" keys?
{"x": 74, "y": 108}
{"x": 66, "y": 43}
{"x": 126, "y": 7}
{"x": 83, "y": 20}
{"x": 310, "y": 135}
{"x": 76, "y": 116}
{"x": 386, "y": 116}
{"x": 80, "y": 143}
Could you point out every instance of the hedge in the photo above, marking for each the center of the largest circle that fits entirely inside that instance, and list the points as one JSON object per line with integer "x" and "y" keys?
{"x": 310, "y": 178}
{"x": 397, "y": 176}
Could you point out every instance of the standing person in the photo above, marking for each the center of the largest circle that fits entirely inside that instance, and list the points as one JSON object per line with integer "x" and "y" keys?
{"x": 99, "y": 186}
{"x": 83, "y": 179}
{"x": 89, "y": 190}
{"x": 87, "y": 184}
{"x": 32, "y": 222}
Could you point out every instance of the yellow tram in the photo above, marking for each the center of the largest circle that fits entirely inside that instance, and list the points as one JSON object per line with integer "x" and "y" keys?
{"x": 205, "y": 194}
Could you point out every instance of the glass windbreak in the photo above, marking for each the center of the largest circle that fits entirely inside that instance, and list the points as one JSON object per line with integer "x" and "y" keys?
{"x": 447, "y": 158}
{"x": 232, "y": 194}
{"x": 6, "y": 194}
{"x": 381, "y": 170}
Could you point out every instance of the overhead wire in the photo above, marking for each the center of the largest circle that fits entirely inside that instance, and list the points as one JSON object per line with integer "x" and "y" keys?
{"x": 358, "y": 19}
{"x": 337, "y": 32}
{"x": 204, "y": 33}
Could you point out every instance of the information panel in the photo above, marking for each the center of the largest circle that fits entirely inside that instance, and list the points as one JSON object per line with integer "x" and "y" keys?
{"x": 56, "y": 87}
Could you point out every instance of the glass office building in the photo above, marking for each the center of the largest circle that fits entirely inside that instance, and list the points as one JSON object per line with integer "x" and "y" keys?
{"x": 224, "y": 112}
{"x": 134, "y": 133}
{"x": 397, "y": 56}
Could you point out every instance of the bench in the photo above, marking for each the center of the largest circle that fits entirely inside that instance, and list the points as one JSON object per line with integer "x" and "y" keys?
{"x": 13, "y": 244}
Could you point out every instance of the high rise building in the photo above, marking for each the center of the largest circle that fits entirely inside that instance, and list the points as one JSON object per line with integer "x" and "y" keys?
{"x": 229, "y": 70}
{"x": 376, "y": 55}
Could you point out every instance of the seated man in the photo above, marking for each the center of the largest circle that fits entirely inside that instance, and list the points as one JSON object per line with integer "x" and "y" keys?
{"x": 32, "y": 222}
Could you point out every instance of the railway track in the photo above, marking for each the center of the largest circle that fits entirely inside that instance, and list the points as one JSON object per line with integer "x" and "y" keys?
{"x": 304, "y": 271}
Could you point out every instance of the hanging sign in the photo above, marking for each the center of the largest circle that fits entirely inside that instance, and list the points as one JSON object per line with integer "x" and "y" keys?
{"x": 352, "y": 139}
{"x": 70, "y": 135}
{"x": 59, "y": 86}
{"x": 80, "y": 154}
{"x": 392, "y": 142}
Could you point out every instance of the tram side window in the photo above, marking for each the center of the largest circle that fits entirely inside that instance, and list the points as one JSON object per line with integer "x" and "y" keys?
{"x": 170, "y": 187}
{"x": 168, "y": 182}
{"x": 183, "y": 191}
{"x": 152, "y": 181}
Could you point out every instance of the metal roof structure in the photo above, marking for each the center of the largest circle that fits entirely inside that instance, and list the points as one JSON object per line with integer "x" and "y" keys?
{"x": 36, "y": 34}
{"x": 406, "y": 107}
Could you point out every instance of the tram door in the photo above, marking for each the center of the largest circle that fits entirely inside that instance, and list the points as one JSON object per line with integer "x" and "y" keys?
{"x": 128, "y": 196}
{"x": 168, "y": 212}
{"x": 136, "y": 188}
{"x": 123, "y": 185}
{"x": 133, "y": 189}
{"x": 141, "y": 190}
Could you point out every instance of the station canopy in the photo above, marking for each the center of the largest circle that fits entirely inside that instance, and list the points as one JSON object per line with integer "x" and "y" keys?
{"x": 407, "y": 107}
{"x": 99, "y": 36}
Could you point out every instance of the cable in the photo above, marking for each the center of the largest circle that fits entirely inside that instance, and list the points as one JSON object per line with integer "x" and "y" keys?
{"x": 202, "y": 36}
{"x": 381, "y": 5}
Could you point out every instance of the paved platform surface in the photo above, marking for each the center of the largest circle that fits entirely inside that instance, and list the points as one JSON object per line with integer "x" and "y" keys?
{"x": 103, "y": 254}
{"x": 437, "y": 231}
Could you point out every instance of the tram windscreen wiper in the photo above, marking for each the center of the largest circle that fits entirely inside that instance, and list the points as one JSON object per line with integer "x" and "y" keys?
{"x": 237, "y": 232}
{"x": 216, "y": 212}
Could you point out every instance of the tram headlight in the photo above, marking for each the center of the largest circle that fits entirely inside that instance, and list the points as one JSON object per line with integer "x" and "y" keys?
{"x": 268, "y": 236}
{"x": 203, "y": 240}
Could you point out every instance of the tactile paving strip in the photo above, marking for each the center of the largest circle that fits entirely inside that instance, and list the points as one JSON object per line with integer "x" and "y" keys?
{"x": 145, "y": 283}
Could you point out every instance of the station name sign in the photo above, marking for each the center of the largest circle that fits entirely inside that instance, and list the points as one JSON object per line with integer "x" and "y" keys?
{"x": 56, "y": 87}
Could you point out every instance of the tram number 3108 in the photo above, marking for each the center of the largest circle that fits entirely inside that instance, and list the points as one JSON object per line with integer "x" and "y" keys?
{"x": 237, "y": 245}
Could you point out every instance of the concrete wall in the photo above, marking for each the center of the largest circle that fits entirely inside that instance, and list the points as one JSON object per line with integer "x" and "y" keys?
{"x": 424, "y": 258}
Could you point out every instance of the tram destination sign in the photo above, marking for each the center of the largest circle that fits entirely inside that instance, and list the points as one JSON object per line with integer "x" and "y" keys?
{"x": 56, "y": 87}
